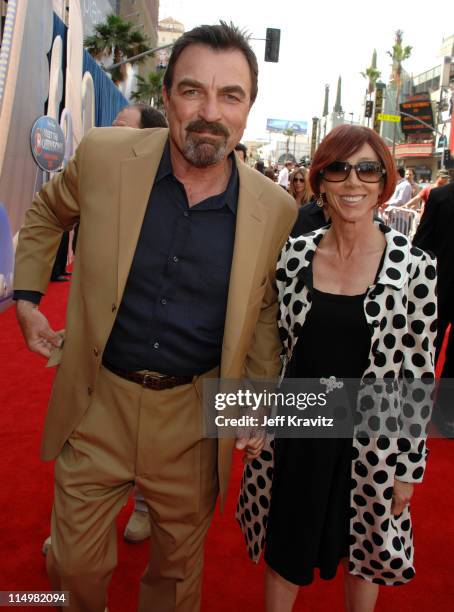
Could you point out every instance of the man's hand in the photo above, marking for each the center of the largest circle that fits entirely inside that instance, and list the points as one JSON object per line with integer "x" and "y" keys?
{"x": 402, "y": 494}
{"x": 39, "y": 336}
{"x": 253, "y": 446}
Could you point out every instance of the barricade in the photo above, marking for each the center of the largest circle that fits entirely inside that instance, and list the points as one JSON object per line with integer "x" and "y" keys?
{"x": 404, "y": 220}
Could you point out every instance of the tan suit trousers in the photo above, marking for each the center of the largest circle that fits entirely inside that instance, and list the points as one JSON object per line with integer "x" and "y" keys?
{"x": 129, "y": 435}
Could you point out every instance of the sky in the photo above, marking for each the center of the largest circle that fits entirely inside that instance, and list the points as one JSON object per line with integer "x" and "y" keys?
{"x": 320, "y": 41}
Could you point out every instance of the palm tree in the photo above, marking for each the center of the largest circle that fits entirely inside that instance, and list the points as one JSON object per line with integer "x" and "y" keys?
{"x": 288, "y": 132}
{"x": 398, "y": 55}
{"x": 149, "y": 89}
{"x": 118, "y": 38}
{"x": 372, "y": 74}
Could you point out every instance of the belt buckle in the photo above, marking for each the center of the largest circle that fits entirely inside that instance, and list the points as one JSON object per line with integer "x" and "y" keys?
{"x": 149, "y": 377}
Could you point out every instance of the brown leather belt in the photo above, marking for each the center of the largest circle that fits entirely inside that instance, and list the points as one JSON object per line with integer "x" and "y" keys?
{"x": 151, "y": 380}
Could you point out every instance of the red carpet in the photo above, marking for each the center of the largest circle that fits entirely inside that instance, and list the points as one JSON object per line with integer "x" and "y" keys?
{"x": 231, "y": 581}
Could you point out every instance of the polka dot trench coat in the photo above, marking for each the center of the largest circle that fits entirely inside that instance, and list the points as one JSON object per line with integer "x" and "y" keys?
{"x": 400, "y": 308}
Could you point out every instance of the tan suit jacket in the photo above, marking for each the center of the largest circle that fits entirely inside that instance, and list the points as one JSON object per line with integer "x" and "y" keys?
{"x": 107, "y": 186}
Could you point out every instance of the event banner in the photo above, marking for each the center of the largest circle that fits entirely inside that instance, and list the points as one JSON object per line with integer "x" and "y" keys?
{"x": 279, "y": 125}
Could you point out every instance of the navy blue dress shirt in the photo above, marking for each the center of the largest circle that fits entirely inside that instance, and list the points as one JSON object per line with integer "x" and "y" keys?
{"x": 171, "y": 318}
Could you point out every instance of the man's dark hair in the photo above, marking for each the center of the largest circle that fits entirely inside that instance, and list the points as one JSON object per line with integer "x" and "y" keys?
{"x": 150, "y": 117}
{"x": 219, "y": 37}
{"x": 241, "y": 147}
{"x": 401, "y": 171}
{"x": 260, "y": 166}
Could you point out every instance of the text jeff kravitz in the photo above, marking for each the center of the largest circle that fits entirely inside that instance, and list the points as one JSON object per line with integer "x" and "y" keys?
{"x": 277, "y": 421}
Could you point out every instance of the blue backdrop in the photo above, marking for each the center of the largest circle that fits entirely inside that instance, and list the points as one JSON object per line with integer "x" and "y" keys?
{"x": 108, "y": 99}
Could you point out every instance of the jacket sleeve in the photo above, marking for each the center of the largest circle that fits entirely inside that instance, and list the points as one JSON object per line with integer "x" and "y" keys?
{"x": 425, "y": 234}
{"x": 263, "y": 358}
{"x": 418, "y": 370}
{"x": 55, "y": 209}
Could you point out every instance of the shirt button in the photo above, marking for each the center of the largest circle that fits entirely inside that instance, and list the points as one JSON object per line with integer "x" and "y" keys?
{"x": 175, "y": 259}
{"x": 89, "y": 390}
{"x": 186, "y": 214}
{"x": 156, "y": 345}
{"x": 163, "y": 301}
{"x": 114, "y": 307}
{"x": 96, "y": 352}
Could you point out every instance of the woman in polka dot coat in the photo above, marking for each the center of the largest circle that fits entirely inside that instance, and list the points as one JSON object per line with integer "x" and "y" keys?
{"x": 397, "y": 285}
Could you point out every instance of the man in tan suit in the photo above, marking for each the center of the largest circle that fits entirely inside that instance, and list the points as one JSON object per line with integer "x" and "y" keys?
{"x": 173, "y": 282}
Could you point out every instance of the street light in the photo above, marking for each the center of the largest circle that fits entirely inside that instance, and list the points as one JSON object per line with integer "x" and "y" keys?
{"x": 136, "y": 57}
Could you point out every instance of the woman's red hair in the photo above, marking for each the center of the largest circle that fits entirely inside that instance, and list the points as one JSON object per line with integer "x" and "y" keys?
{"x": 342, "y": 142}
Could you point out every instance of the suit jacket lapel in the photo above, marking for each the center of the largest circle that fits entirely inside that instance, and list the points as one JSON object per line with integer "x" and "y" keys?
{"x": 250, "y": 228}
{"x": 137, "y": 178}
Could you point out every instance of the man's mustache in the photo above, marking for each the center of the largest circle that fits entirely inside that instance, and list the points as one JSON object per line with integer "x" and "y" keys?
{"x": 215, "y": 128}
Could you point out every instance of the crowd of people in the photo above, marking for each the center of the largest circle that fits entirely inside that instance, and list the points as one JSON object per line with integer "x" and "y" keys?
{"x": 209, "y": 268}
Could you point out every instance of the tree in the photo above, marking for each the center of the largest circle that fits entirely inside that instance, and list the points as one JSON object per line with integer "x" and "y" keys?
{"x": 288, "y": 132}
{"x": 116, "y": 37}
{"x": 149, "y": 89}
{"x": 398, "y": 55}
{"x": 372, "y": 74}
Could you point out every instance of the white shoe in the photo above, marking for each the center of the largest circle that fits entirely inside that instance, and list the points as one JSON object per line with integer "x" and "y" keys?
{"x": 46, "y": 545}
{"x": 138, "y": 527}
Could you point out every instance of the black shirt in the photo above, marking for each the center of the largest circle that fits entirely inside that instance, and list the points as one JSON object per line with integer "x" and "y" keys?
{"x": 310, "y": 218}
{"x": 171, "y": 318}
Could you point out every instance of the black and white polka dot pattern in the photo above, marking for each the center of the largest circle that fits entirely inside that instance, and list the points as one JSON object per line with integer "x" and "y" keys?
{"x": 400, "y": 309}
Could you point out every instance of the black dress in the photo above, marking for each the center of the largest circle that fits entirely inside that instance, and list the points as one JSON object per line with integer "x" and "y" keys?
{"x": 310, "y": 504}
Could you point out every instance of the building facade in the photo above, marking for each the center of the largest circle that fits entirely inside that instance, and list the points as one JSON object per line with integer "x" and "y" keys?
{"x": 92, "y": 12}
{"x": 169, "y": 30}
{"x": 144, "y": 15}
{"x": 422, "y": 148}
{"x": 425, "y": 152}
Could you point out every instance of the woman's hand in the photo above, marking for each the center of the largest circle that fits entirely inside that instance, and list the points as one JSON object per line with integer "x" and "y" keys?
{"x": 252, "y": 446}
{"x": 402, "y": 494}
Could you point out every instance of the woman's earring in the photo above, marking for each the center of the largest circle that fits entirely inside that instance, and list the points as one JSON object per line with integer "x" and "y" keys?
{"x": 320, "y": 201}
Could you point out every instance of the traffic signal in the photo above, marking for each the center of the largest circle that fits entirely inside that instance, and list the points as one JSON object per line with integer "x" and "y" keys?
{"x": 369, "y": 109}
{"x": 448, "y": 162}
{"x": 273, "y": 39}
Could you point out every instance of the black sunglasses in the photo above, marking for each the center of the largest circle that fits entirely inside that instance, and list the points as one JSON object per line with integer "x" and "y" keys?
{"x": 366, "y": 171}
{"x": 298, "y": 180}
